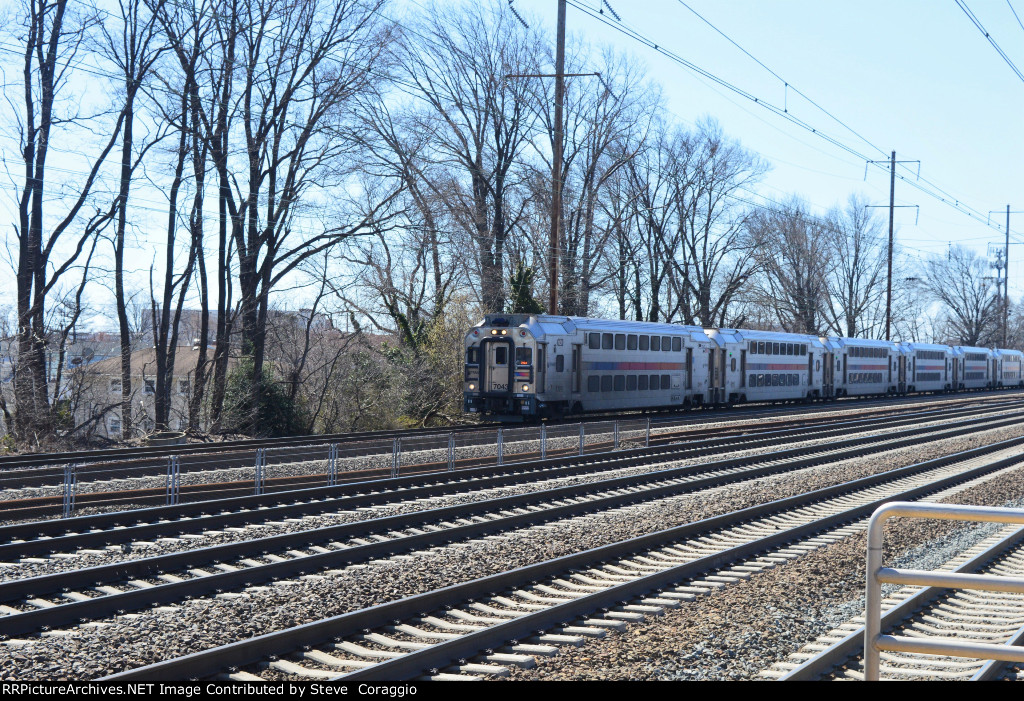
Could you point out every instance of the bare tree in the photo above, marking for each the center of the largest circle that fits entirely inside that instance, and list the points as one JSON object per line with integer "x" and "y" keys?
{"x": 970, "y": 298}
{"x": 458, "y": 60}
{"x": 791, "y": 249}
{"x": 713, "y": 261}
{"x": 48, "y": 245}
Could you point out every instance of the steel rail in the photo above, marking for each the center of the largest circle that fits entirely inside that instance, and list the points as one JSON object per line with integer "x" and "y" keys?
{"x": 210, "y": 662}
{"x": 39, "y": 506}
{"x": 37, "y": 538}
{"x": 665, "y": 484}
{"x": 119, "y": 459}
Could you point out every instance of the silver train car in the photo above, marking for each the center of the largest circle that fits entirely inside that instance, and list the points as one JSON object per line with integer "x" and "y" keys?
{"x": 521, "y": 367}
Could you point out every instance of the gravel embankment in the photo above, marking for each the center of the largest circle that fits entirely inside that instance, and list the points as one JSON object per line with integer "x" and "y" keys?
{"x": 735, "y": 632}
{"x": 797, "y": 592}
{"x": 32, "y": 568}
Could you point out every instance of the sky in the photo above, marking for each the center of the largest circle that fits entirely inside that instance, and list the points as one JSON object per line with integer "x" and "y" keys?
{"x": 912, "y": 76}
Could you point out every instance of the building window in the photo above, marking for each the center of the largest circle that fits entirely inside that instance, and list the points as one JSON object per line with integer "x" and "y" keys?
{"x": 115, "y": 387}
{"x": 149, "y": 387}
{"x": 114, "y": 425}
{"x": 182, "y": 386}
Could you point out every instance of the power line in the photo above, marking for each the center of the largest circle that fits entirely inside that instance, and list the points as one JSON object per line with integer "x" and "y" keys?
{"x": 932, "y": 190}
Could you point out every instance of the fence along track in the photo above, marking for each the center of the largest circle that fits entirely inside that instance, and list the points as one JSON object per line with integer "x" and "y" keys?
{"x": 474, "y": 616}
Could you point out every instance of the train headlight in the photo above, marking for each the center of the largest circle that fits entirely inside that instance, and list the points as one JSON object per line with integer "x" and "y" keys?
{"x": 526, "y": 388}
{"x": 494, "y": 332}
{"x": 504, "y": 332}
{"x": 472, "y": 386}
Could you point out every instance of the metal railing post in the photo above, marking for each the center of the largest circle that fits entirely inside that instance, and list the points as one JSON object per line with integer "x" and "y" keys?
{"x": 877, "y": 575}
{"x": 451, "y": 452}
{"x": 501, "y": 446}
{"x": 332, "y": 465}
{"x": 69, "y": 488}
{"x": 615, "y": 433}
{"x": 647, "y": 441}
{"x": 543, "y": 441}
{"x": 581, "y": 438}
{"x": 396, "y": 457}
{"x": 261, "y": 462}
{"x": 173, "y": 481}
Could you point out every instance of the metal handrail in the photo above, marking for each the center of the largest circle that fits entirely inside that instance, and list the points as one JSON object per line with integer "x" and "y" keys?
{"x": 874, "y": 641}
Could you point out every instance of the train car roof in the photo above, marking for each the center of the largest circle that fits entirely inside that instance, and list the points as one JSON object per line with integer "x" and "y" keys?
{"x": 1007, "y": 351}
{"x": 924, "y": 346}
{"x": 744, "y": 335}
{"x": 973, "y": 349}
{"x": 843, "y": 341}
{"x": 558, "y": 325}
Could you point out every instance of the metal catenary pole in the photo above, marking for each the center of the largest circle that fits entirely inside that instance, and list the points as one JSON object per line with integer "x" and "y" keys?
{"x": 332, "y": 465}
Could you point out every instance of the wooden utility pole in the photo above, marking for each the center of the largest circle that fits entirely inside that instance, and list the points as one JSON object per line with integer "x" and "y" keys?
{"x": 556, "y": 161}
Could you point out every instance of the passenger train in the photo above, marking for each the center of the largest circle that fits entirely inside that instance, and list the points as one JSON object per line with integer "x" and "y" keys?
{"x": 526, "y": 367}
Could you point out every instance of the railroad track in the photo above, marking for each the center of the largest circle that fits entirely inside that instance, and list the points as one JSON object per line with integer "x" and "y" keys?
{"x": 485, "y": 625}
{"x": 38, "y": 470}
{"x": 60, "y": 599}
{"x": 39, "y": 538}
{"x": 974, "y": 616}
{"x": 38, "y": 507}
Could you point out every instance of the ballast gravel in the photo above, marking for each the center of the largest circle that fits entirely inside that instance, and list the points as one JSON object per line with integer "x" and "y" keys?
{"x": 33, "y": 567}
{"x": 737, "y": 625}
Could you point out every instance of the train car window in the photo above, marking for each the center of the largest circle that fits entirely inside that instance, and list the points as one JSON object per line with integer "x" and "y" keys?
{"x": 642, "y": 383}
{"x": 630, "y": 383}
{"x": 677, "y": 344}
{"x": 655, "y": 382}
{"x": 655, "y": 343}
{"x": 752, "y": 380}
{"x": 760, "y": 380}
{"x": 631, "y": 342}
{"x": 559, "y": 363}
{"x": 803, "y": 349}
{"x": 595, "y": 341}
{"x": 817, "y": 365}
{"x": 620, "y": 341}
{"x": 593, "y": 383}
{"x": 620, "y": 383}
{"x": 789, "y": 349}
{"x": 524, "y": 356}
{"x": 501, "y": 355}
{"x": 606, "y": 383}
{"x": 760, "y": 347}
{"x": 666, "y": 343}
{"x": 471, "y": 356}
{"x": 732, "y": 365}
{"x": 606, "y": 341}
{"x": 645, "y": 343}
{"x": 775, "y": 349}
{"x": 666, "y": 382}
{"x": 753, "y": 346}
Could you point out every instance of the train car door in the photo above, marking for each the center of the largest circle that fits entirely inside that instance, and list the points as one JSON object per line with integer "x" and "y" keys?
{"x": 576, "y": 368}
{"x": 992, "y": 374}
{"x": 721, "y": 376}
{"x": 542, "y": 366}
{"x": 712, "y": 376}
{"x": 499, "y": 359}
{"x": 902, "y": 377}
{"x": 956, "y": 374}
{"x": 828, "y": 374}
